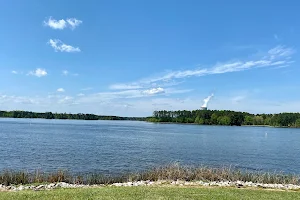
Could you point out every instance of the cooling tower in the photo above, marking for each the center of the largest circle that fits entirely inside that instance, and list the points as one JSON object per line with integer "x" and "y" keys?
{"x": 203, "y": 108}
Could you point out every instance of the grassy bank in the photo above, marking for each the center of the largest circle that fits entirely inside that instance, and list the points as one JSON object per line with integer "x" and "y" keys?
{"x": 170, "y": 192}
{"x": 170, "y": 172}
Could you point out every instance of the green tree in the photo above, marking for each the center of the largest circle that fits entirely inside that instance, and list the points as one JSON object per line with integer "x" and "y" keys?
{"x": 297, "y": 123}
{"x": 214, "y": 118}
{"x": 199, "y": 120}
{"x": 224, "y": 120}
{"x": 258, "y": 120}
{"x": 248, "y": 120}
{"x": 236, "y": 119}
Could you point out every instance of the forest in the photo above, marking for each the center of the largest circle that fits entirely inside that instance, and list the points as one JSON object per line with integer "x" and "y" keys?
{"x": 50, "y": 115}
{"x": 204, "y": 117}
{"x": 226, "y": 117}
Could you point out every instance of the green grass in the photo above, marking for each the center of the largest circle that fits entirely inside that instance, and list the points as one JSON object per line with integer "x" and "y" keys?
{"x": 167, "y": 192}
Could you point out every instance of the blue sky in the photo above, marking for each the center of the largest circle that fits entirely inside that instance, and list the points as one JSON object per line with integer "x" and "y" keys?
{"x": 132, "y": 57}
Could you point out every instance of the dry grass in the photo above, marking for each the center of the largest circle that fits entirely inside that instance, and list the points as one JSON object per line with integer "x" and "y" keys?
{"x": 175, "y": 172}
{"x": 169, "y": 172}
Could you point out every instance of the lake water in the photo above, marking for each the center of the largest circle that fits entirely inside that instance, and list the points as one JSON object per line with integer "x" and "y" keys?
{"x": 120, "y": 146}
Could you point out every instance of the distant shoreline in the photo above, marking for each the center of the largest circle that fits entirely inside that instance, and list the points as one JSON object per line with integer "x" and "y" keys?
{"x": 269, "y": 126}
{"x": 194, "y": 117}
{"x": 145, "y": 120}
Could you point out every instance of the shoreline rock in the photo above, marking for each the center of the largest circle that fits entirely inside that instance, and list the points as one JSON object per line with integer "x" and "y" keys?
{"x": 238, "y": 184}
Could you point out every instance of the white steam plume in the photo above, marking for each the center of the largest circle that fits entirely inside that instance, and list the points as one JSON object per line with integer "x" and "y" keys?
{"x": 206, "y": 100}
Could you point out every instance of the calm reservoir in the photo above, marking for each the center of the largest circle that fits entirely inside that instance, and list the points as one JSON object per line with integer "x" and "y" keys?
{"x": 120, "y": 146}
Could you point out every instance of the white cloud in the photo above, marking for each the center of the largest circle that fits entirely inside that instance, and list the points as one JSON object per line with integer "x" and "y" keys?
{"x": 65, "y": 72}
{"x": 154, "y": 91}
{"x": 127, "y": 95}
{"x": 55, "y": 24}
{"x": 4, "y": 99}
{"x": 62, "y": 24}
{"x": 177, "y": 91}
{"x": 24, "y": 100}
{"x": 275, "y": 57}
{"x": 74, "y": 22}
{"x": 121, "y": 94}
{"x": 60, "y": 90}
{"x": 143, "y": 84}
{"x": 109, "y": 96}
{"x": 125, "y": 86}
{"x": 146, "y": 94}
{"x": 109, "y": 104}
{"x": 58, "y": 45}
{"x": 38, "y": 72}
{"x": 66, "y": 100}
{"x": 279, "y": 52}
{"x": 14, "y": 72}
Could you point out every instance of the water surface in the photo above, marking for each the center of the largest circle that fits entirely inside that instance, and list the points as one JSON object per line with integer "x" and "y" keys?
{"x": 121, "y": 146}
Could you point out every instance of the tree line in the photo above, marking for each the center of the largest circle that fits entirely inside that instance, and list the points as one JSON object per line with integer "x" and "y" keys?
{"x": 50, "y": 115}
{"x": 226, "y": 117}
{"x": 205, "y": 117}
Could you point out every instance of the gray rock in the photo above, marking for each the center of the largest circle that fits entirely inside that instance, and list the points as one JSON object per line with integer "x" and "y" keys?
{"x": 151, "y": 183}
{"x": 40, "y": 187}
{"x": 135, "y": 184}
{"x": 159, "y": 182}
{"x": 117, "y": 184}
{"x": 51, "y": 186}
{"x": 21, "y": 187}
{"x": 63, "y": 184}
{"x": 27, "y": 187}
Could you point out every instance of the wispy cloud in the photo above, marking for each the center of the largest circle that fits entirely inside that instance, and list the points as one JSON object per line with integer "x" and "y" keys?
{"x": 60, "y": 90}
{"x": 276, "y": 37}
{"x": 67, "y": 100}
{"x": 58, "y": 45}
{"x": 154, "y": 91}
{"x": 140, "y": 106}
{"x": 14, "y": 72}
{"x": 73, "y": 22}
{"x": 177, "y": 91}
{"x": 145, "y": 83}
{"x": 128, "y": 94}
{"x": 120, "y": 94}
{"x": 62, "y": 24}
{"x": 38, "y": 72}
{"x": 18, "y": 99}
{"x": 125, "y": 86}
{"x": 65, "y": 72}
{"x": 275, "y": 57}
